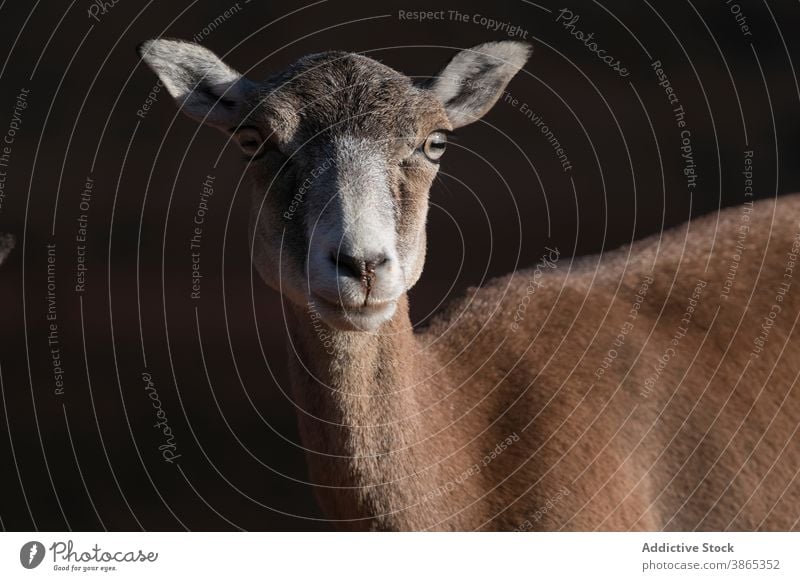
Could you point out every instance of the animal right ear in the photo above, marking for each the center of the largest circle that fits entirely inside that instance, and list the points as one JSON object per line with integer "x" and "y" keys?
{"x": 474, "y": 79}
{"x": 205, "y": 88}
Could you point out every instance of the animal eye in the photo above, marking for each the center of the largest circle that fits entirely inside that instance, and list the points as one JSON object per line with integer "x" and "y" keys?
{"x": 249, "y": 140}
{"x": 434, "y": 145}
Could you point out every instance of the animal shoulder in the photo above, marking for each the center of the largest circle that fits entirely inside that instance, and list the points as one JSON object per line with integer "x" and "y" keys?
{"x": 664, "y": 268}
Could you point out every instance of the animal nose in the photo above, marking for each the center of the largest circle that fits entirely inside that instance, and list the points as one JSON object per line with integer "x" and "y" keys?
{"x": 365, "y": 269}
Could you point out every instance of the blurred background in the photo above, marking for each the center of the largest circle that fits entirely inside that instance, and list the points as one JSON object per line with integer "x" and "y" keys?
{"x": 101, "y": 180}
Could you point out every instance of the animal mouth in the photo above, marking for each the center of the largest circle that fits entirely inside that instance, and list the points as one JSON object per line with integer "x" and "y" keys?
{"x": 354, "y": 317}
{"x": 367, "y": 307}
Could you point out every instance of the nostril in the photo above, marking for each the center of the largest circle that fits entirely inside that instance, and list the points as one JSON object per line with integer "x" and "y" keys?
{"x": 364, "y": 269}
{"x": 349, "y": 265}
{"x": 374, "y": 263}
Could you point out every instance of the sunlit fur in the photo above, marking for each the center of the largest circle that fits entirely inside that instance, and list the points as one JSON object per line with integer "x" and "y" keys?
{"x": 496, "y": 417}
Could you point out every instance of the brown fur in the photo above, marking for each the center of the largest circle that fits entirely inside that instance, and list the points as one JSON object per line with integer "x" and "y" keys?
{"x": 538, "y": 401}
{"x": 704, "y": 451}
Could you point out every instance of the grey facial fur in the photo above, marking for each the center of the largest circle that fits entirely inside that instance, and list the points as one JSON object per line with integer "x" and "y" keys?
{"x": 340, "y": 179}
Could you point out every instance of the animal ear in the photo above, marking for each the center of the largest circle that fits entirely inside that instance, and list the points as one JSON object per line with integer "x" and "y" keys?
{"x": 474, "y": 79}
{"x": 205, "y": 88}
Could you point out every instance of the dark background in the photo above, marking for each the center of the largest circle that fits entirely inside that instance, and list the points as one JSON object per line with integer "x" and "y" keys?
{"x": 89, "y": 459}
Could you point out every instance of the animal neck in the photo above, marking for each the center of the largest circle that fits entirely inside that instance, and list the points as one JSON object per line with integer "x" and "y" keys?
{"x": 346, "y": 366}
{"x": 359, "y": 395}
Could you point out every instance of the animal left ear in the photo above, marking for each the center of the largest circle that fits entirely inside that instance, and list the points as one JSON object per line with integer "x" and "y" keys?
{"x": 475, "y": 78}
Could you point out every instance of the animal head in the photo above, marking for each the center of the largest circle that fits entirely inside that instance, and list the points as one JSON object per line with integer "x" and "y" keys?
{"x": 342, "y": 151}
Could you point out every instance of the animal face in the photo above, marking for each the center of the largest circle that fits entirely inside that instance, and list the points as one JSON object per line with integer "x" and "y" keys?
{"x": 342, "y": 151}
